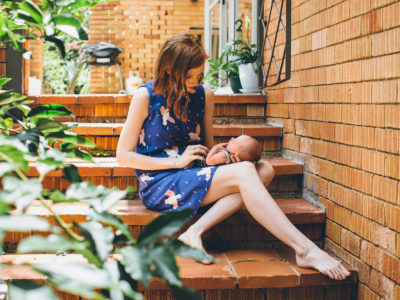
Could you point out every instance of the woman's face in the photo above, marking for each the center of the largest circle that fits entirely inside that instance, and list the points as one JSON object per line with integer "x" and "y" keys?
{"x": 192, "y": 78}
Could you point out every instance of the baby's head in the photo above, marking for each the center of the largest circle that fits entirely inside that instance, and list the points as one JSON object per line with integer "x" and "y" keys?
{"x": 249, "y": 149}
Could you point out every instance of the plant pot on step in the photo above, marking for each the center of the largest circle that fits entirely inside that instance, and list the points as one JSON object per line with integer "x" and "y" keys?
{"x": 248, "y": 77}
{"x": 234, "y": 82}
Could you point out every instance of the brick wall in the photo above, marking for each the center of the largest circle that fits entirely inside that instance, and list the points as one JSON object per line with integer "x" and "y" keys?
{"x": 341, "y": 116}
{"x": 139, "y": 28}
{"x": 3, "y": 60}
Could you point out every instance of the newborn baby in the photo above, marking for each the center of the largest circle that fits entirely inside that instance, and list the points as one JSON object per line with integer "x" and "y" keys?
{"x": 243, "y": 147}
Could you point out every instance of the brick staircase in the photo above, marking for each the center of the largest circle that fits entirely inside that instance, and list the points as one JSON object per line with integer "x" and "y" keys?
{"x": 254, "y": 264}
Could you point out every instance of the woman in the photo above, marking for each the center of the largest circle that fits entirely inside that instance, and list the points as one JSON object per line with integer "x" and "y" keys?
{"x": 169, "y": 125}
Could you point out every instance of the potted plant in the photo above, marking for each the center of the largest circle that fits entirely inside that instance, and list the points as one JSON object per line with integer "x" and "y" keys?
{"x": 224, "y": 68}
{"x": 247, "y": 56}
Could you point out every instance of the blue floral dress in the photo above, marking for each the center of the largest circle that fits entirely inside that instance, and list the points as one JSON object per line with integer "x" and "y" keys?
{"x": 164, "y": 135}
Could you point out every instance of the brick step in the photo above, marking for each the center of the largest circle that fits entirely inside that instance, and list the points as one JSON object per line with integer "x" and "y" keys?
{"x": 114, "y": 108}
{"x": 106, "y": 135}
{"x": 240, "y": 274}
{"x": 107, "y": 172}
{"x": 236, "y": 232}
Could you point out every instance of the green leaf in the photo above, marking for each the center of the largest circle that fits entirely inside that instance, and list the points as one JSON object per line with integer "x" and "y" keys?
{"x": 29, "y": 290}
{"x": 79, "y": 153}
{"x": 70, "y": 137}
{"x": 69, "y": 30}
{"x": 109, "y": 198}
{"x": 59, "y": 44}
{"x": 49, "y": 125}
{"x": 66, "y": 20}
{"x": 58, "y": 196}
{"x": 72, "y": 174}
{"x": 31, "y": 138}
{"x": 100, "y": 238}
{"x": 137, "y": 263}
{"x": 23, "y": 223}
{"x": 183, "y": 250}
{"x": 13, "y": 151}
{"x": 113, "y": 221}
{"x": 49, "y": 160}
{"x": 50, "y": 110}
{"x": 124, "y": 285}
{"x": 164, "y": 261}
{"x": 29, "y": 7}
{"x": 3, "y": 81}
{"x": 84, "y": 190}
{"x": 82, "y": 34}
{"x": 165, "y": 224}
{"x": 10, "y": 98}
{"x": 78, "y": 279}
{"x": 20, "y": 192}
{"x": 52, "y": 243}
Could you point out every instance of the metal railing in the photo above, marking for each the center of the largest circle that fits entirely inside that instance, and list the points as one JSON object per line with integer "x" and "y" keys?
{"x": 286, "y": 56}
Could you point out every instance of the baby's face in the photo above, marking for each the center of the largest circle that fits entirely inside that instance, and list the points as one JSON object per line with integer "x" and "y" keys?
{"x": 235, "y": 145}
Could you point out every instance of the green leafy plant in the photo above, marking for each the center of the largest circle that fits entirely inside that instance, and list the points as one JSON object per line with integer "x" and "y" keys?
{"x": 137, "y": 261}
{"x": 235, "y": 53}
{"x": 110, "y": 272}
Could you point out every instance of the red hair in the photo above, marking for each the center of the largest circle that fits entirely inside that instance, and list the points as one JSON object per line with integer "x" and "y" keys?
{"x": 178, "y": 55}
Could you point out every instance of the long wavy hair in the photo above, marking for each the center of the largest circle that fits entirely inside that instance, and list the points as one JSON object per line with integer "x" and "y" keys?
{"x": 178, "y": 55}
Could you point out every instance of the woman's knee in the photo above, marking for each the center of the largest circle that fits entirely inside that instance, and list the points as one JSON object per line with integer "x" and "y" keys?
{"x": 265, "y": 171}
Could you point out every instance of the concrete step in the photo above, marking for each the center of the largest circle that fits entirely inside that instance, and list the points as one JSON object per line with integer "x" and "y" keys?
{"x": 239, "y": 231}
{"x": 106, "y": 135}
{"x": 107, "y": 172}
{"x": 240, "y": 274}
{"x": 114, "y": 108}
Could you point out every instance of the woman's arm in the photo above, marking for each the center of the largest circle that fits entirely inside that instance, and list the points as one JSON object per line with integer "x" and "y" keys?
{"x": 126, "y": 155}
{"x": 208, "y": 118}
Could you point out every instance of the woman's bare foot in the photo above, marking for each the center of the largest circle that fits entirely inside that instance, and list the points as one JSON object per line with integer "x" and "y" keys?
{"x": 322, "y": 262}
{"x": 192, "y": 239}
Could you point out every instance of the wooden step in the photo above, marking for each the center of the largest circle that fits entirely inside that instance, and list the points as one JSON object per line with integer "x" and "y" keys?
{"x": 106, "y": 135}
{"x": 114, "y": 108}
{"x": 107, "y": 172}
{"x": 240, "y": 274}
{"x": 236, "y": 232}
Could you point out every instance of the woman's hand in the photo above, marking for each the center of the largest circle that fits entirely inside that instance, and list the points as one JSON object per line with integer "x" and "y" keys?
{"x": 190, "y": 154}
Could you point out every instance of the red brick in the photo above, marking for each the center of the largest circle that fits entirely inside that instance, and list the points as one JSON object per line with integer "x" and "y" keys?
{"x": 333, "y": 231}
{"x": 353, "y": 200}
{"x": 392, "y": 113}
{"x": 384, "y": 188}
{"x": 327, "y": 131}
{"x": 373, "y": 115}
{"x": 392, "y": 216}
{"x": 365, "y": 293}
{"x": 350, "y": 242}
{"x": 392, "y": 166}
{"x": 371, "y": 22}
{"x": 351, "y": 114}
{"x": 360, "y": 226}
{"x": 384, "y": 91}
{"x": 361, "y": 92}
{"x": 333, "y": 113}
{"x": 95, "y": 99}
{"x": 381, "y": 285}
{"x": 374, "y": 209}
{"x": 387, "y": 140}
{"x": 372, "y": 255}
{"x": 373, "y": 161}
{"x": 378, "y": 43}
{"x": 291, "y": 141}
{"x": 364, "y": 136}
{"x": 343, "y": 133}
{"x": 342, "y": 216}
{"x": 350, "y": 156}
{"x": 391, "y": 266}
{"x": 383, "y": 237}
{"x": 56, "y": 99}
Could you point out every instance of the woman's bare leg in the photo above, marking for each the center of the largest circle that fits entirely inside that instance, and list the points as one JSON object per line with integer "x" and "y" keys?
{"x": 243, "y": 178}
{"x": 222, "y": 209}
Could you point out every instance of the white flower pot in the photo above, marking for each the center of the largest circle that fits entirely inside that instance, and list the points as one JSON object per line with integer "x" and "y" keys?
{"x": 248, "y": 78}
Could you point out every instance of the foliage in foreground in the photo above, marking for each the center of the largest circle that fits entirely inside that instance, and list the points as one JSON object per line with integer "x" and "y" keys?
{"x": 112, "y": 273}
